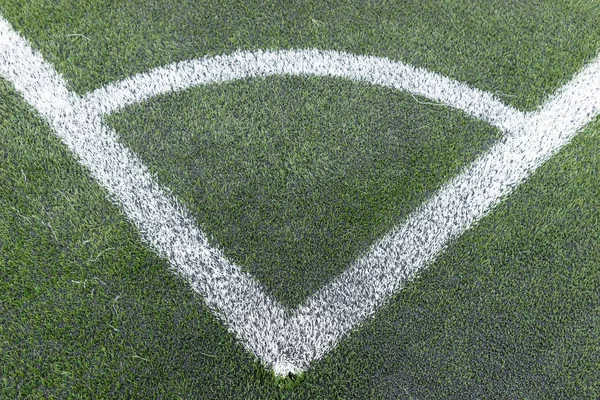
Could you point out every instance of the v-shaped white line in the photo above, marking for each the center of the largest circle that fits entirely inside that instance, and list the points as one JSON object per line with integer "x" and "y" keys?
{"x": 289, "y": 340}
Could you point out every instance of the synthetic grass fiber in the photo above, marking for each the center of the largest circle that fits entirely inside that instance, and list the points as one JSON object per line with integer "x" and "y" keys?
{"x": 291, "y": 173}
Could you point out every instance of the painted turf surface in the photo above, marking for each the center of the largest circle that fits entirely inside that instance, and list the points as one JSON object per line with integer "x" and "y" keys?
{"x": 415, "y": 382}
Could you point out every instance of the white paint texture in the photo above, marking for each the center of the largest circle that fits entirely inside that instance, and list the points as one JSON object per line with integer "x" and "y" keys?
{"x": 288, "y": 341}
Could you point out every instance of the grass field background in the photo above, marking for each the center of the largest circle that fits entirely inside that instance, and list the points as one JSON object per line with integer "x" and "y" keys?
{"x": 511, "y": 310}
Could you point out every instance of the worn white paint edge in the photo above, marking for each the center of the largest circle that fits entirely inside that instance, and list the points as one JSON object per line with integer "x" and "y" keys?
{"x": 289, "y": 344}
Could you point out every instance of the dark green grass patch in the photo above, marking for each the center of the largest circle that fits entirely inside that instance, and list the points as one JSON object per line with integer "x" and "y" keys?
{"x": 295, "y": 177}
{"x": 521, "y": 50}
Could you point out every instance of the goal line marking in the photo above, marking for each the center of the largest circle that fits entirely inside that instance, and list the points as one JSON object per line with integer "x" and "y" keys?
{"x": 289, "y": 340}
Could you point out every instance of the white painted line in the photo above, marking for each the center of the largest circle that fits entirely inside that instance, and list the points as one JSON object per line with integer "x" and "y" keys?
{"x": 364, "y": 287}
{"x": 289, "y": 343}
{"x": 235, "y": 296}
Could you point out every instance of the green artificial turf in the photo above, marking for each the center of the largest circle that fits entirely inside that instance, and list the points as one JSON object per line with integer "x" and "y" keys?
{"x": 296, "y": 177}
{"x": 511, "y": 310}
{"x": 520, "y": 50}
{"x": 87, "y": 311}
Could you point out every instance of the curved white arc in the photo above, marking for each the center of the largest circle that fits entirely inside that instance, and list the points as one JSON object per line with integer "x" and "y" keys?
{"x": 247, "y": 64}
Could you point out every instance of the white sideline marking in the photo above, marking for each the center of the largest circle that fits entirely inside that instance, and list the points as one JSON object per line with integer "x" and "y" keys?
{"x": 289, "y": 343}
